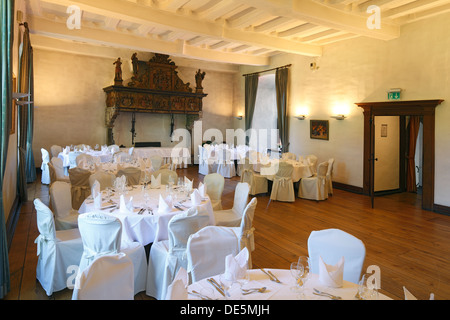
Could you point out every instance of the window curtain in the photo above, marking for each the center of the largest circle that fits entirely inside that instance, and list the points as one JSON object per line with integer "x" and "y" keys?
{"x": 26, "y": 170}
{"x": 281, "y": 80}
{"x": 7, "y": 32}
{"x": 251, "y": 88}
{"x": 414, "y": 124}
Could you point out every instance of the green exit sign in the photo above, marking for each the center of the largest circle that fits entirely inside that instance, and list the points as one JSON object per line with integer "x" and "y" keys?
{"x": 394, "y": 95}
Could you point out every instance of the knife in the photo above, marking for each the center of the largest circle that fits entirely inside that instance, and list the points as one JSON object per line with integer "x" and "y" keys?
{"x": 272, "y": 277}
{"x": 216, "y": 286}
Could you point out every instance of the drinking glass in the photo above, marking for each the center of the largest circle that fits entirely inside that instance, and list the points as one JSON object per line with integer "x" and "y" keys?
{"x": 366, "y": 288}
{"x": 297, "y": 271}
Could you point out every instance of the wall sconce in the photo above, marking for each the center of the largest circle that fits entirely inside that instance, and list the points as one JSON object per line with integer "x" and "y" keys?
{"x": 339, "y": 117}
{"x": 18, "y": 95}
{"x": 301, "y": 117}
{"x": 239, "y": 117}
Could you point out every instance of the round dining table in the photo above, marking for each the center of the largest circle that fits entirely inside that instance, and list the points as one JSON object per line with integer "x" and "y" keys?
{"x": 282, "y": 290}
{"x": 149, "y": 224}
{"x": 268, "y": 169}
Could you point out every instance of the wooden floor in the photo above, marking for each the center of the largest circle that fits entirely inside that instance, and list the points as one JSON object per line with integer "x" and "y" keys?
{"x": 410, "y": 245}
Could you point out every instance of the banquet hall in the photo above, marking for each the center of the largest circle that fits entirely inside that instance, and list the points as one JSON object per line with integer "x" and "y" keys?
{"x": 273, "y": 121}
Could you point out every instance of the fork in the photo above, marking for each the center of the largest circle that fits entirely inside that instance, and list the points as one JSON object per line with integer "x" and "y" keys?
{"x": 325, "y": 294}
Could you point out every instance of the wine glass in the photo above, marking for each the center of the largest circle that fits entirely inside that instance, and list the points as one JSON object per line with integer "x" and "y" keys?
{"x": 297, "y": 271}
{"x": 366, "y": 288}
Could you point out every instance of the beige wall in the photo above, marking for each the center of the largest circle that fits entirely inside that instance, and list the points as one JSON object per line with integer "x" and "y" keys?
{"x": 70, "y": 101}
{"x": 362, "y": 69}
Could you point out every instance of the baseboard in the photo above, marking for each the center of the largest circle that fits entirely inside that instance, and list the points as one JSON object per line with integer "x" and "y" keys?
{"x": 347, "y": 187}
{"x": 13, "y": 217}
{"x": 438, "y": 208}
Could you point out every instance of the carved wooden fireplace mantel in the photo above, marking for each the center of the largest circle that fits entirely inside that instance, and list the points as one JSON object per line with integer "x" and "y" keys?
{"x": 155, "y": 87}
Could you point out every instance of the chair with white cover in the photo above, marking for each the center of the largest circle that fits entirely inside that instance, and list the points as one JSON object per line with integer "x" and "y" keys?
{"x": 84, "y": 159}
{"x": 258, "y": 183}
{"x": 105, "y": 179}
{"x": 102, "y": 235}
{"x": 113, "y": 148}
{"x": 332, "y": 245}
{"x": 168, "y": 256}
{"x": 312, "y": 161}
{"x": 232, "y": 217}
{"x": 109, "y": 277}
{"x": 225, "y": 165}
{"x": 55, "y": 150}
{"x": 157, "y": 162}
{"x": 207, "y": 249}
{"x": 45, "y": 178}
{"x": 203, "y": 167}
{"x": 61, "y": 202}
{"x": 79, "y": 180}
{"x": 167, "y": 176}
{"x": 56, "y": 250}
{"x": 59, "y": 170}
{"x": 133, "y": 175}
{"x": 122, "y": 156}
{"x": 330, "y": 175}
{"x": 283, "y": 186}
{"x": 215, "y": 184}
{"x": 315, "y": 188}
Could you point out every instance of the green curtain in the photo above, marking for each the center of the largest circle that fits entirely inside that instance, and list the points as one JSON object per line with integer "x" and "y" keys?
{"x": 251, "y": 88}
{"x": 25, "y": 118}
{"x": 281, "y": 80}
{"x": 7, "y": 33}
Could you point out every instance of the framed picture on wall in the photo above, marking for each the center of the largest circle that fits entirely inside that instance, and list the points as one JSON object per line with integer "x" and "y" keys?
{"x": 319, "y": 129}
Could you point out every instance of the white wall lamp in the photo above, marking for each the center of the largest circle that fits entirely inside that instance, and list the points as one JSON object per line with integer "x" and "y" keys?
{"x": 300, "y": 117}
{"x": 239, "y": 117}
{"x": 339, "y": 117}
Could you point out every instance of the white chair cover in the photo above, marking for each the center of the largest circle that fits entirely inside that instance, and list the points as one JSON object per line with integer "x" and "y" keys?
{"x": 55, "y": 150}
{"x": 330, "y": 175}
{"x": 203, "y": 167}
{"x": 113, "y": 148}
{"x": 133, "y": 175}
{"x": 157, "y": 162}
{"x": 45, "y": 178}
{"x": 122, "y": 157}
{"x": 101, "y": 234}
{"x": 177, "y": 290}
{"x": 61, "y": 202}
{"x": 332, "y": 245}
{"x": 232, "y": 217}
{"x": 59, "y": 169}
{"x": 168, "y": 256}
{"x": 109, "y": 277}
{"x": 212, "y": 157}
{"x": 225, "y": 166}
{"x": 283, "y": 186}
{"x": 79, "y": 180}
{"x": 207, "y": 249}
{"x": 315, "y": 188}
{"x": 215, "y": 184}
{"x": 85, "y": 158}
{"x": 105, "y": 179}
{"x": 258, "y": 183}
{"x": 312, "y": 160}
{"x": 56, "y": 250}
{"x": 166, "y": 174}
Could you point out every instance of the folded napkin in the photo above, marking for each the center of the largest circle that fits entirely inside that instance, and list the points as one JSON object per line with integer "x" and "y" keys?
{"x": 188, "y": 184}
{"x": 202, "y": 189}
{"x": 196, "y": 198}
{"x": 236, "y": 267}
{"x": 177, "y": 290}
{"x": 126, "y": 207}
{"x": 96, "y": 195}
{"x": 331, "y": 276}
{"x": 165, "y": 205}
{"x": 156, "y": 182}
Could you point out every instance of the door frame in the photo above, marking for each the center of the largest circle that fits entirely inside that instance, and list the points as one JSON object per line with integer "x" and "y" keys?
{"x": 424, "y": 108}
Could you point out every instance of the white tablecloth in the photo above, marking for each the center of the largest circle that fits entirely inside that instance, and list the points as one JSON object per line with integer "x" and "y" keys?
{"x": 147, "y": 227}
{"x": 102, "y": 156}
{"x": 279, "y": 291}
{"x": 300, "y": 171}
{"x": 164, "y": 152}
